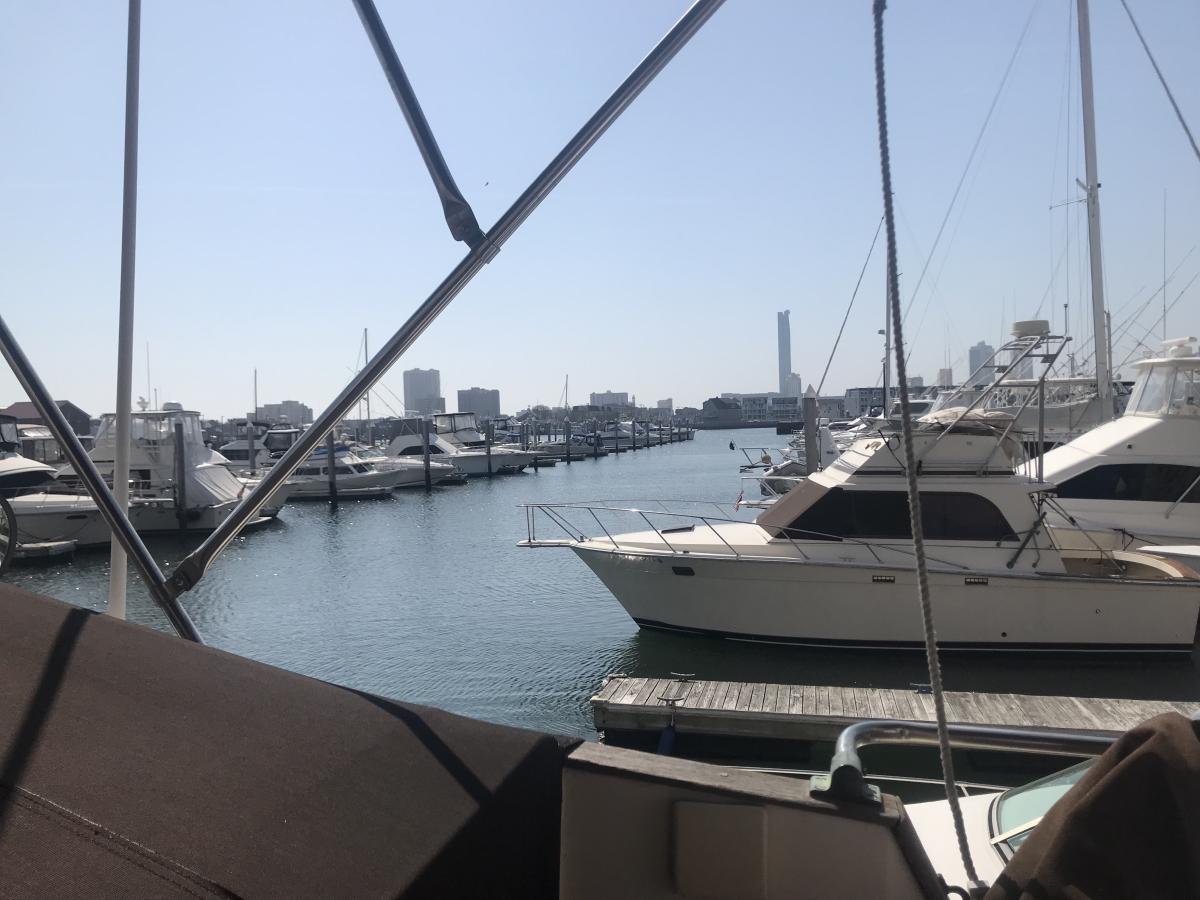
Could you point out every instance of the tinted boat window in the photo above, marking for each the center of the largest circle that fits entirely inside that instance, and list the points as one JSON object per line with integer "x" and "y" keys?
{"x": 1147, "y": 482}
{"x": 884, "y": 514}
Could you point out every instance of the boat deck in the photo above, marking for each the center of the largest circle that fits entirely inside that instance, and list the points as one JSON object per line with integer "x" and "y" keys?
{"x": 806, "y": 712}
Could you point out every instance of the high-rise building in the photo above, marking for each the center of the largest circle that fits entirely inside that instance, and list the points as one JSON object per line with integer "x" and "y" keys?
{"x": 291, "y": 411}
{"x": 666, "y": 404}
{"x": 945, "y": 378}
{"x": 610, "y": 398}
{"x": 916, "y": 381}
{"x": 482, "y": 401}
{"x": 423, "y": 391}
{"x": 977, "y": 356}
{"x": 785, "y": 351}
{"x": 793, "y": 386}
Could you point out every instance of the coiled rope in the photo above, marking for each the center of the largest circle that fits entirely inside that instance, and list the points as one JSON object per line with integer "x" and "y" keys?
{"x": 910, "y": 467}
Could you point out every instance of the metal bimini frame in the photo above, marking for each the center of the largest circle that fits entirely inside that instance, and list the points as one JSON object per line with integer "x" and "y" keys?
{"x": 484, "y": 247}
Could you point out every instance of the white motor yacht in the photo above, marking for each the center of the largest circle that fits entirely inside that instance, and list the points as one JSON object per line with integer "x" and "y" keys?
{"x": 831, "y": 563}
{"x": 457, "y": 441}
{"x": 412, "y": 471}
{"x": 355, "y": 477}
{"x": 209, "y": 491}
{"x": 1135, "y": 481}
{"x": 17, "y": 473}
{"x": 247, "y": 434}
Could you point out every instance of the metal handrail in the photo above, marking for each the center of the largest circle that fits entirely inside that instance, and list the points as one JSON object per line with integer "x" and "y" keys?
{"x": 786, "y": 532}
{"x": 846, "y": 780}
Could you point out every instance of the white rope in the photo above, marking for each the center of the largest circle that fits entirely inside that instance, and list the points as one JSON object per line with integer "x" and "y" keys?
{"x": 910, "y": 467}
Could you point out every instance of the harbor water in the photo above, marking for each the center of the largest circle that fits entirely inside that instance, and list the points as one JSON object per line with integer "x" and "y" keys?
{"x": 427, "y": 598}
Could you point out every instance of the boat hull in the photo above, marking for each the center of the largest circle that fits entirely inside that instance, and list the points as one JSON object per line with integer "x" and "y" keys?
{"x": 785, "y": 601}
{"x": 48, "y": 518}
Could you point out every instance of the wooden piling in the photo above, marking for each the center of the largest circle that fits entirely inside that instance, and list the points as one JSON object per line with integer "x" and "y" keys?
{"x": 423, "y": 425}
{"x": 329, "y": 452}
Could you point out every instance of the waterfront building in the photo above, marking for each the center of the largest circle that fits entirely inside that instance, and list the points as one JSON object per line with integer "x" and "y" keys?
{"x": 292, "y": 411}
{"x": 719, "y": 412}
{"x": 945, "y": 378}
{"x": 26, "y": 414}
{"x": 665, "y": 404}
{"x": 916, "y": 382}
{"x": 485, "y": 402}
{"x": 423, "y": 391}
{"x": 977, "y": 356}
{"x": 609, "y": 398}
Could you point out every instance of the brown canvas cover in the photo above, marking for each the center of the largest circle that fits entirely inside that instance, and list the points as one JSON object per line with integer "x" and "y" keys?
{"x": 135, "y": 764}
{"x": 1130, "y": 828}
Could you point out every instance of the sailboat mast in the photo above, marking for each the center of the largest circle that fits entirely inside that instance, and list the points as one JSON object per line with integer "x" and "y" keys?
{"x": 1099, "y": 326}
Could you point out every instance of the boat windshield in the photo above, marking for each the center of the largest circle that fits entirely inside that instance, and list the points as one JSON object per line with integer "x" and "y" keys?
{"x": 8, "y": 432}
{"x": 1017, "y": 811}
{"x": 1167, "y": 390}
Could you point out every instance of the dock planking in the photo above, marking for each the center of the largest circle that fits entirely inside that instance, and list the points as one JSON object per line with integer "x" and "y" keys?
{"x": 819, "y": 712}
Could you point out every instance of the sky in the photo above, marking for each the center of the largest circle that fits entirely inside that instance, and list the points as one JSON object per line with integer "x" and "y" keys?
{"x": 283, "y": 207}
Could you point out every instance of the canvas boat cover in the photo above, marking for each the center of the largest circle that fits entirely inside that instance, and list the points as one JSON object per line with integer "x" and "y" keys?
{"x": 139, "y": 765}
{"x": 1129, "y": 828}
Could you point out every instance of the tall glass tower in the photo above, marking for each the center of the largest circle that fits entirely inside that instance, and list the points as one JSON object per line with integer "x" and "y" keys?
{"x": 785, "y": 350}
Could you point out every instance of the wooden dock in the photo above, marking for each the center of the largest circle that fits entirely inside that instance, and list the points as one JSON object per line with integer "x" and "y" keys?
{"x": 805, "y": 712}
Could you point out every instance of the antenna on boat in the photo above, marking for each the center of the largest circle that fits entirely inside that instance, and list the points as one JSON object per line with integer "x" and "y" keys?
{"x": 117, "y": 561}
{"x": 1092, "y": 189}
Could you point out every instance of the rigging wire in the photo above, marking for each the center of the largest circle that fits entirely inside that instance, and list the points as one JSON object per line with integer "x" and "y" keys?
{"x": 1162, "y": 80}
{"x": 846, "y": 317}
{"x": 971, "y": 157}
{"x": 1154, "y": 324}
{"x": 910, "y": 468}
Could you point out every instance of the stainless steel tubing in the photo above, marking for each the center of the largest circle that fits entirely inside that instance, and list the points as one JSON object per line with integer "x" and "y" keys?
{"x": 194, "y": 566}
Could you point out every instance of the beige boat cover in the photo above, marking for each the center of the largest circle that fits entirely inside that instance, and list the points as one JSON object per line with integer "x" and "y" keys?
{"x": 1129, "y": 828}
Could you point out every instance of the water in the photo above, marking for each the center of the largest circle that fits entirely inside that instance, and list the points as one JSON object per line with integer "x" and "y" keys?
{"x": 425, "y": 597}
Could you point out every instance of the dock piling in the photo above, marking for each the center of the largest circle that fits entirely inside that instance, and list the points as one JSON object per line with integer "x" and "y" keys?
{"x": 329, "y": 453}
{"x": 423, "y": 425}
{"x": 180, "y": 479}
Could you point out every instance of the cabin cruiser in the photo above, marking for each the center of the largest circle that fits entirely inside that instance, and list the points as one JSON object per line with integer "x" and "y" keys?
{"x": 355, "y": 476}
{"x": 830, "y": 563}
{"x": 1135, "y": 481}
{"x": 457, "y": 441}
{"x": 247, "y": 434}
{"x": 413, "y": 470}
{"x": 17, "y": 473}
{"x": 618, "y": 435}
{"x": 156, "y": 503}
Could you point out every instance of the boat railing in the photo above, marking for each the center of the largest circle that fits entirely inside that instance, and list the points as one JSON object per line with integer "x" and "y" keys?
{"x": 559, "y": 516}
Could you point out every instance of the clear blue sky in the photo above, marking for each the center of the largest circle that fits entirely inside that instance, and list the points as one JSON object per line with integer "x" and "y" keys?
{"x": 283, "y": 207}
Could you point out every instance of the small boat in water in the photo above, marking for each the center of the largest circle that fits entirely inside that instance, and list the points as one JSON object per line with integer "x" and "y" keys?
{"x": 457, "y": 441}
{"x": 174, "y": 486}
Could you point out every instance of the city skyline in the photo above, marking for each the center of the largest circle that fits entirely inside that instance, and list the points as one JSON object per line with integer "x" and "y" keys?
{"x": 282, "y": 210}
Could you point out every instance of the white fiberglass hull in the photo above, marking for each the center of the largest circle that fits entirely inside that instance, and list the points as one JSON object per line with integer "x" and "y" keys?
{"x": 43, "y": 518}
{"x": 783, "y": 600}
{"x": 474, "y": 463}
{"x": 359, "y": 484}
